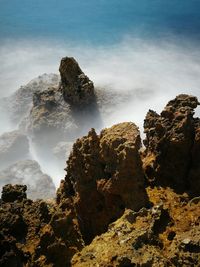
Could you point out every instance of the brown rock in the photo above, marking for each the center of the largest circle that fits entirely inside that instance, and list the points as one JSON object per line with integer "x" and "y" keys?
{"x": 76, "y": 87}
{"x": 11, "y": 193}
{"x": 165, "y": 235}
{"x": 36, "y": 233}
{"x": 104, "y": 176}
{"x": 170, "y": 143}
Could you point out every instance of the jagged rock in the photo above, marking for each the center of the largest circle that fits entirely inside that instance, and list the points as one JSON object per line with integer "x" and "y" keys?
{"x": 11, "y": 193}
{"x": 51, "y": 115}
{"x": 165, "y": 235}
{"x": 194, "y": 172}
{"x": 28, "y": 172}
{"x": 19, "y": 104}
{"x": 14, "y": 146}
{"x": 76, "y": 86}
{"x": 35, "y": 233}
{"x": 156, "y": 224}
{"x": 172, "y": 144}
{"x": 108, "y": 169}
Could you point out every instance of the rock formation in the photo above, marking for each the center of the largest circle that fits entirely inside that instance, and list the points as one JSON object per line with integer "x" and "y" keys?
{"x": 119, "y": 205}
{"x": 28, "y": 172}
{"x": 51, "y": 115}
{"x": 165, "y": 235}
{"x": 18, "y": 105}
{"x": 35, "y": 233}
{"x": 105, "y": 175}
{"x": 76, "y": 87}
{"x": 172, "y": 142}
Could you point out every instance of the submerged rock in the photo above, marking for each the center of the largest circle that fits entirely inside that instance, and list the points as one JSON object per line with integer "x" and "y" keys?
{"x": 19, "y": 104}
{"x": 14, "y": 146}
{"x": 28, "y": 172}
{"x": 51, "y": 116}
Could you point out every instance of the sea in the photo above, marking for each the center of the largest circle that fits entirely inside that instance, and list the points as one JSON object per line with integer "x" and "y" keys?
{"x": 151, "y": 47}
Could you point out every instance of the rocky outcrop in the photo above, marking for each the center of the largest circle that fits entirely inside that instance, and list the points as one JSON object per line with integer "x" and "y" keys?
{"x": 104, "y": 176}
{"x": 52, "y": 116}
{"x": 119, "y": 204}
{"x": 28, "y": 172}
{"x": 165, "y": 235}
{"x": 64, "y": 112}
{"x": 13, "y": 147}
{"x": 19, "y": 104}
{"x": 35, "y": 233}
{"x": 76, "y": 87}
{"x": 172, "y": 142}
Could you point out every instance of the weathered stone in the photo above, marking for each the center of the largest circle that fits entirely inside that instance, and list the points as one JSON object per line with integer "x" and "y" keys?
{"x": 108, "y": 169}
{"x": 11, "y": 193}
{"x": 171, "y": 140}
{"x": 18, "y": 105}
{"x": 36, "y": 233}
{"x": 142, "y": 238}
{"x": 76, "y": 86}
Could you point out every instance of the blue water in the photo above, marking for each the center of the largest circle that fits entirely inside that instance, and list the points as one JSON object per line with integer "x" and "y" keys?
{"x": 100, "y": 21}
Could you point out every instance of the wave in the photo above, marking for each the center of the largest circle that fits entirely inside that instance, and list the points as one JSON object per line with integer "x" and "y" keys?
{"x": 143, "y": 73}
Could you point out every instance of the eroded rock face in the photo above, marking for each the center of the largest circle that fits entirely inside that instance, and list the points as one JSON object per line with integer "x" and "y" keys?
{"x": 13, "y": 147}
{"x": 152, "y": 222}
{"x": 19, "y": 104}
{"x": 28, "y": 172}
{"x": 35, "y": 233}
{"x": 164, "y": 235}
{"x": 76, "y": 86}
{"x": 104, "y": 176}
{"x": 172, "y": 142}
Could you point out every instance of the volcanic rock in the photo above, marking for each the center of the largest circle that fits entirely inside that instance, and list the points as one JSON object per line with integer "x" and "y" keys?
{"x": 104, "y": 176}
{"x": 52, "y": 116}
{"x": 165, "y": 235}
{"x": 35, "y": 233}
{"x": 14, "y": 146}
{"x": 76, "y": 87}
{"x": 63, "y": 112}
{"x": 28, "y": 172}
{"x": 19, "y": 104}
{"x": 119, "y": 205}
{"x": 172, "y": 145}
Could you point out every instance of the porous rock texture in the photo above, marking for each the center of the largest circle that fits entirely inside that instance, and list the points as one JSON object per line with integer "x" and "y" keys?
{"x": 35, "y": 234}
{"x": 165, "y": 235}
{"x": 118, "y": 205}
{"x": 172, "y": 145}
{"x": 76, "y": 87}
{"x": 105, "y": 175}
